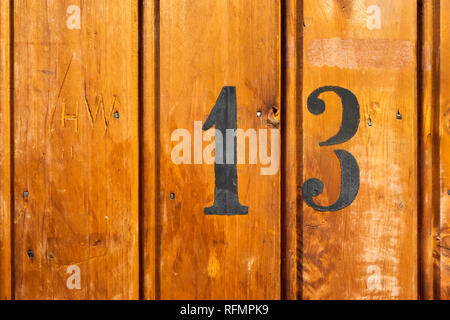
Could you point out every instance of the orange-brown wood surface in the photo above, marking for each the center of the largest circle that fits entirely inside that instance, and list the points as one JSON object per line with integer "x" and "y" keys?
{"x": 204, "y": 46}
{"x": 291, "y": 148}
{"x": 149, "y": 160}
{"x": 434, "y": 156}
{"x": 444, "y": 133}
{"x": 75, "y": 149}
{"x": 91, "y": 92}
{"x": 367, "y": 250}
{"x": 5, "y": 155}
{"x": 428, "y": 159}
{"x": 429, "y": 155}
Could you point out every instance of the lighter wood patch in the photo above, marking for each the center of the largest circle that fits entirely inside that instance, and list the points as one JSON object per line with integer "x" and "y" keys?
{"x": 360, "y": 53}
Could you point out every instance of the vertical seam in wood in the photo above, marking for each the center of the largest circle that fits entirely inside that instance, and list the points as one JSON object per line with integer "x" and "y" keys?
{"x": 436, "y": 151}
{"x": 141, "y": 219}
{"x": 284, "y": 273}
{"x": 300, "y": 25}
{"x": 157, "y": 153}
{"x": 291, "y": 119}
{"x": 149, "y": 113}
{"x": 11, "y": 137}
{"x": 421, "y": 274}
{"x": 428, "y": 160}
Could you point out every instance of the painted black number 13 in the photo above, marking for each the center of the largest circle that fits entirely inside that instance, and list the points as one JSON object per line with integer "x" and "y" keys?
{"x": 223, "y": 116}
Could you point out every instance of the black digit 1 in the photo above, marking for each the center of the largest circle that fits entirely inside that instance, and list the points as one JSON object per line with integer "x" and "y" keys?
{"x": 223, "y": 116}
{"x": 349, "y": 167}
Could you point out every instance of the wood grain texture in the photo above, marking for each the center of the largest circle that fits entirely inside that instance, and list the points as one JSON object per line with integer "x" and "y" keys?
{"x": 76, "y": 149}
{"x": 5, "y": 153}
{"x": 149, "y": 154}
{"x": 91, "y": 188}
{"x": 428, "y": 161}
{"x": 205, "y": 45}
{"x": 444, "y": 134}
{"x": 291, "y": 148}
{"x": 369, "y": 249}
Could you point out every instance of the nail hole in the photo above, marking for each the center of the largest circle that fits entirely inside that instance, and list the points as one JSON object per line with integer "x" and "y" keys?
{"x": 30, "y": 254}
{"x": 275, "y": 111}
{"x": 25, "y": 194}
{"x": 399, "y": 115}
{"x": 369, "y": 122}
{"x": 172, "y": 196}
{"x": 116, "y": 115}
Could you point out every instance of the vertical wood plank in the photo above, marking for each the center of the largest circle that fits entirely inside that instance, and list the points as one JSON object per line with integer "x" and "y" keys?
{"x": 5, "y": 155}
{"x": 428, "y": 160}
{"x": 149, "y": 162}
{"x": 444, "y": 133}
{"x": 76, "y": 149}
{"x": 204, "y": 46}
{"x": 291, "y": 146}
{"x": 367, "y": 250}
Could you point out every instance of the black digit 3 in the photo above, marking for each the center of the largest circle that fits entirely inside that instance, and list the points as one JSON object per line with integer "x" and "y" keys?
{"x": 349, "y": 166}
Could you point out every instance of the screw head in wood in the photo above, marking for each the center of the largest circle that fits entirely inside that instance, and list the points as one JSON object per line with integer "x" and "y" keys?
{"x": 259, "y": 114}
{"x": 172, "y": 196}
{"x": 26, "y": 194}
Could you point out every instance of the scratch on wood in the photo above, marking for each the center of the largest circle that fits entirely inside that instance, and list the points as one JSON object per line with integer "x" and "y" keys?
{"x": 65, "y": 76}
{"x": 46, "y": 72}
{"x": 93, "y": 116}
{"x": 69, "y": 117}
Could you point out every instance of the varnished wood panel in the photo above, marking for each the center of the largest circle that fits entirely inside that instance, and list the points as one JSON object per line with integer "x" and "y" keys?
{"x": 428, "y": 160}
{"x": 367, "y": 250}
{"x": 5, "y": 155}
{"x": 75, "y": 149}
{"x": 149, "y": 178}
{"x": 291, "y": 149}
{"x": 204, "y": 46}
{"x": 79, "y": 183}
{"x": 444, "y": 151}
